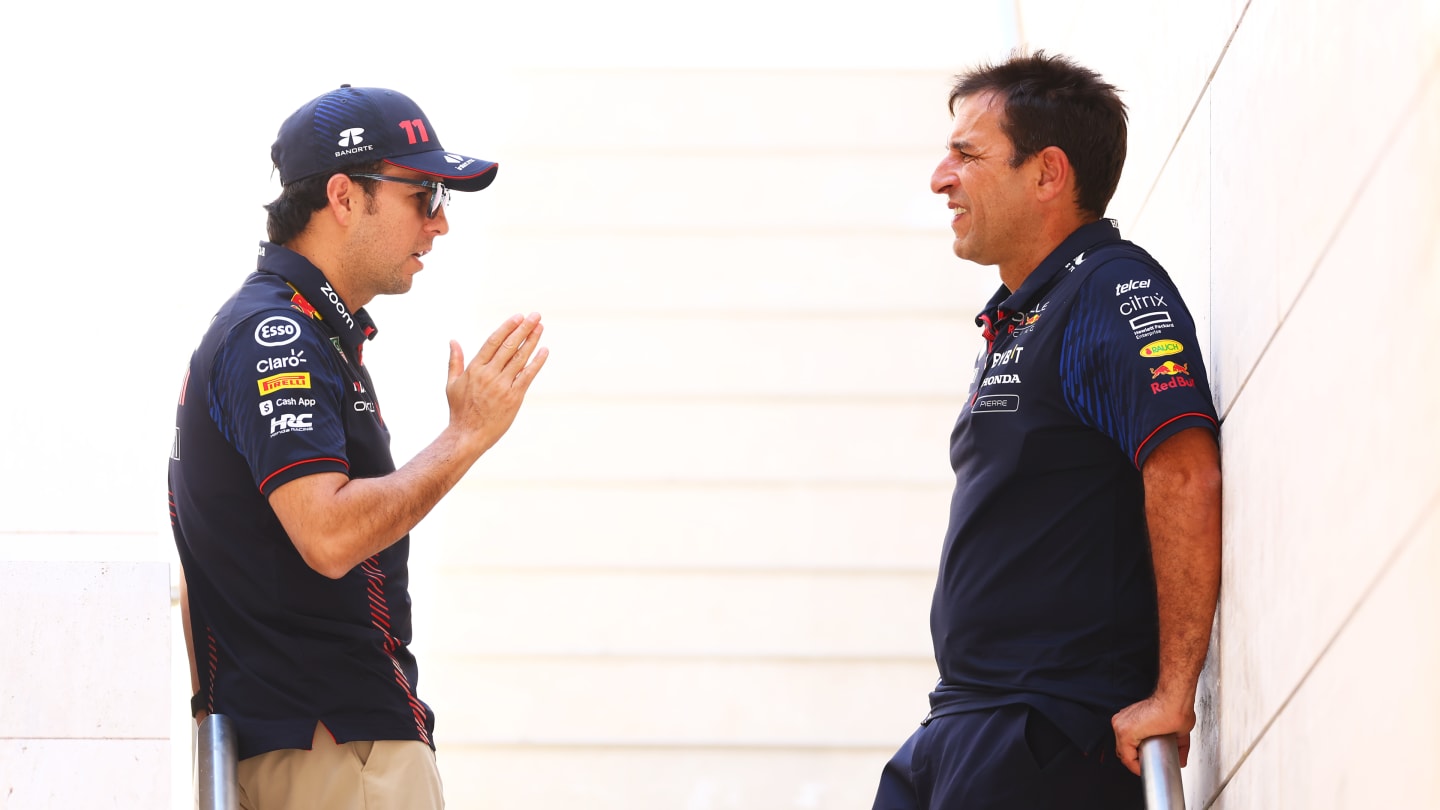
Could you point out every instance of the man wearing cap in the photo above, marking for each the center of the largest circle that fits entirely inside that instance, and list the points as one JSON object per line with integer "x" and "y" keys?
{"x": 1080, "y": 569}
{"x": 290, "y": 517}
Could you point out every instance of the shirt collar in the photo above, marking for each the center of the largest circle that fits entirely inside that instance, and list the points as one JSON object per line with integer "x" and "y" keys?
{"x": 316, "y": 298}
{"x": 1062, "y": 260}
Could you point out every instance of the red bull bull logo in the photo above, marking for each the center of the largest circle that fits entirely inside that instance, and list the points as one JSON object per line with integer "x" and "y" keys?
{"x": 1169, "y": 368}
{"x": 298, "y": 302}
{"x": 1178, "y": 373}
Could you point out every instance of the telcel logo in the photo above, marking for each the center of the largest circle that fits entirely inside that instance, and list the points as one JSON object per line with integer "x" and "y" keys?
{"x": 351, "y": 137}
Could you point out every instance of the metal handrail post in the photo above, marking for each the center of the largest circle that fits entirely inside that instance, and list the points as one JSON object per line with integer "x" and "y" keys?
{"x": 1160, "y": 769}
{"x": 217, "y": 764}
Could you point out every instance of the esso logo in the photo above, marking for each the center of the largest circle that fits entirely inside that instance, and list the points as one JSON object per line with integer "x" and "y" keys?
{"x": 277, "y": 330}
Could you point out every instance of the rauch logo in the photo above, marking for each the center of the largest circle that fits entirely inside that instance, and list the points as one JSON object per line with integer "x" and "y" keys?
{"x": 1162, "y": 348}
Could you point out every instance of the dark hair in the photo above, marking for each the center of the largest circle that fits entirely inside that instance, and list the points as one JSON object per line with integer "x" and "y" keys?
{"x": 290, "y": 213}
{"x": 1052, "y": 101}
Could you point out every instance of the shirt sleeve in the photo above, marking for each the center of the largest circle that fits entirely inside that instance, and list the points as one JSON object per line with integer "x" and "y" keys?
{"x": 277, "y": 394}
{"x": 1130, "y": 363}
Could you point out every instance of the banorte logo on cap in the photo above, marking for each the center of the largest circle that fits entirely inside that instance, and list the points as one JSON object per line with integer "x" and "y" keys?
{"x": 460, "y": 161}
{"x": 350, "y": 142}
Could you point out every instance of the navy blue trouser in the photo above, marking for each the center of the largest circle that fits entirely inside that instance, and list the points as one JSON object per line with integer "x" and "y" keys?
{"x": 1007, "y": 758}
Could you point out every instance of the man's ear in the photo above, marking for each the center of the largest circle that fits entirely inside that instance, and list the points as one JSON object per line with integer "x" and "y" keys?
{"x": 1056, "y": 178}
{"x": 342, "y": 194}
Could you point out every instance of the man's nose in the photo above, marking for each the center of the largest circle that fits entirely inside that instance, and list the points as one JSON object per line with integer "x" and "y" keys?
{"x": 439, "y": 223}
{"x": 944, "y": 176}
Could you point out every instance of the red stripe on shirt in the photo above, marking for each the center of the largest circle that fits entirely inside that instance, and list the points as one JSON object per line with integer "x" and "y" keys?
{"x": 1205, "y": 416}
{"x": 297, "y": 464}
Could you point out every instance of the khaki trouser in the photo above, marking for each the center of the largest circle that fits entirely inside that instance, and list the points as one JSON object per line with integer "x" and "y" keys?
{"x": 380, "y": 775}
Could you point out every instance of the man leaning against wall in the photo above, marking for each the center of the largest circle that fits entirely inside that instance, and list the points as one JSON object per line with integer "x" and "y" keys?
{"x": 1081, "y": 566}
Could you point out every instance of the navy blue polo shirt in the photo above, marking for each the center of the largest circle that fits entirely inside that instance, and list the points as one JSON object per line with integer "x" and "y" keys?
{"x": 278, "y": 390}
{"x": 1046, "y": 592}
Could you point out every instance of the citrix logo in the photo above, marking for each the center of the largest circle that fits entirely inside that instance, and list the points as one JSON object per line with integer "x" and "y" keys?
{"x": 351, "y": 137}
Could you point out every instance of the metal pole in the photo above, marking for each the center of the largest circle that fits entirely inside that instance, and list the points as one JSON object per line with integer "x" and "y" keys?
{"x": 1160, "y": 769}
{"x": 217, "y": 761}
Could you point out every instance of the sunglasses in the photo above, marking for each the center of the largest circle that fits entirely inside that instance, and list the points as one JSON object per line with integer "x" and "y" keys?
{"x": 439, "y": 194}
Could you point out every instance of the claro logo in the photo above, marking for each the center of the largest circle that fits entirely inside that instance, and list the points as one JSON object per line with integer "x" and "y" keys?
{"x": 277, "y": 330}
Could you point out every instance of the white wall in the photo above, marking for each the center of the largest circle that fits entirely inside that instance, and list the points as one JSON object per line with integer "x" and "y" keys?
{"x": 84, "y": 697}
{"x": 1284, "y": 166}
{"x": 697, "y": 574}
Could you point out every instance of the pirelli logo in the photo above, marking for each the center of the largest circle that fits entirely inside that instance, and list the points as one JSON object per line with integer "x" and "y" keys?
{"x": 279, "y": 382}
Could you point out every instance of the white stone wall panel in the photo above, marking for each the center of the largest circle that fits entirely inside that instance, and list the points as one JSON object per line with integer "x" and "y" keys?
{"x": 599, "y": 701}
{"x": 685, "y": 526}
{"x": 687, "y": 613}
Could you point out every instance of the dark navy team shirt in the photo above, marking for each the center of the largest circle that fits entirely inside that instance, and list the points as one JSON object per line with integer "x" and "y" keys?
{"x": 278, "y": 390}
{"x": 1046, "y": 592}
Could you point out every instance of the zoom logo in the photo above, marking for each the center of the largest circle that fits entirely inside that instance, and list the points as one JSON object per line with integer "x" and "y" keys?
{"x": 351, "y": 137}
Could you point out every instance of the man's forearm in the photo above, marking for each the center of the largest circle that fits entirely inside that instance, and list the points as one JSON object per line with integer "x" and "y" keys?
{"x": 1182, "y": 506}
{"x": 337, "y": 522}
{"x": 189, "y": 635}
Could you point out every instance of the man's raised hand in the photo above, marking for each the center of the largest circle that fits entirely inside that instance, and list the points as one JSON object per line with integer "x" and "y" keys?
{"x": 485, "y": 395}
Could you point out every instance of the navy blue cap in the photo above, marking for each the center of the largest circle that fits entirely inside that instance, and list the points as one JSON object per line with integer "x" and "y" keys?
{"x": 354, "y": 124}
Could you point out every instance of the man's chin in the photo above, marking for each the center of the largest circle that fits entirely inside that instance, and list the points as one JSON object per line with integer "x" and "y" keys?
{"x": 400, "y": 287}
{"x": 963, "y": 252}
